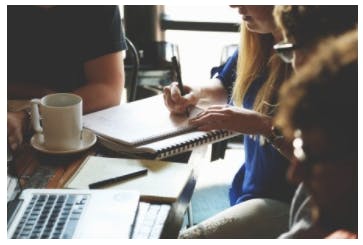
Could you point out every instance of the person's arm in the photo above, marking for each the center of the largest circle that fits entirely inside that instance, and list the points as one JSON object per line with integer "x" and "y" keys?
{"x": 103, "y": 64}
{"x": 216, "y": 89}
{"x": 240, "y": 120}
{"x": 279, "y": 143}
{"x": 177, "y": 103}
{"x": 26, "y": 91}
{"x": 213, "y": 89}
{"x": 17, "y": 123}
{"x": 219, "y": 87}
{"x": 105, "y": 81}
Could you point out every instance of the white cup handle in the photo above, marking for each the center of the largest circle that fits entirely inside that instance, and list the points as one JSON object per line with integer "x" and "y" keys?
{"x": 35, "y": 115}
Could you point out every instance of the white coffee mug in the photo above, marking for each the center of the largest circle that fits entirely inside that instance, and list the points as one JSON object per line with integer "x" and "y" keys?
{"x": 59, "y": 120}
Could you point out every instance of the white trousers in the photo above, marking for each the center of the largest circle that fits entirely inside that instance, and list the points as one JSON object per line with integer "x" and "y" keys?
{"x": 255, "y": 218}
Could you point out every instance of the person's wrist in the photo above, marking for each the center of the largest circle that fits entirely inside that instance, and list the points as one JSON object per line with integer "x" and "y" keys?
{"x": 266, "y": 126}
{"x": 269, "y": 131}
{"x": 197, "y": 92}
{"x": 194, "y": 95}
{"x": 274, "y": 135}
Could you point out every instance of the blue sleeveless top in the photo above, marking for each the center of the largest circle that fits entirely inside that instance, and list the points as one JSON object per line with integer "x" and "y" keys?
{"x": 263, "y": 174}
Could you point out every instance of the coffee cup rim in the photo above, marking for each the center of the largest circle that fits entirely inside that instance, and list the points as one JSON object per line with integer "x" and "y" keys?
{"x": 42, "y": 100}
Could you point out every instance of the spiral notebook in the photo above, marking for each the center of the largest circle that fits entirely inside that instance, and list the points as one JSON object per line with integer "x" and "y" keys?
{"x": 145, "y": 128}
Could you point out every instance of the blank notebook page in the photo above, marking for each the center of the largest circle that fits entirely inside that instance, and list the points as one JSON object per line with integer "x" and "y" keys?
{"x": 135, "y": 122}
{"x": 164, "y": 181}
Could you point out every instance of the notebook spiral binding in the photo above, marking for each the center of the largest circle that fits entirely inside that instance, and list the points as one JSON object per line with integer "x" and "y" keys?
{"x": 185, "y": 146}
{"x": 175, "y": 149}
{"x": 166, "y": 135}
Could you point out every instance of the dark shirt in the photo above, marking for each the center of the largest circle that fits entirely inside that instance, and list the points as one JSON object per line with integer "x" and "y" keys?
{"x": 263, "y": 174}
{"x": 49, "y": 47}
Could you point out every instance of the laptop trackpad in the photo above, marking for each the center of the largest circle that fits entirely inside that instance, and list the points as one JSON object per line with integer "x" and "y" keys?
{"x": 108, "y": 215}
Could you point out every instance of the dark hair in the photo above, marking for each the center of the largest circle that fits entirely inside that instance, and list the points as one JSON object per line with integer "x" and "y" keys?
{"x": 323, "y": 94}
{"x": 308, "y": 24}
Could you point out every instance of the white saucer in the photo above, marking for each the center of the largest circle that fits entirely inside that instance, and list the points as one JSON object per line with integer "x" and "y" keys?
{"x": 88, "y": 140}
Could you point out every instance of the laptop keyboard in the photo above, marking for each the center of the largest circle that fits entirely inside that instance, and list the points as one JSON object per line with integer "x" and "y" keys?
{"x": 150, "y": 220}
{"x": 56, "y": 216}
{"x": 51, "y": 216}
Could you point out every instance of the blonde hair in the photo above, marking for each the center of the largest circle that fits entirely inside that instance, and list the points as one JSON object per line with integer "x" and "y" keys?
{"x": 254, "y": 58}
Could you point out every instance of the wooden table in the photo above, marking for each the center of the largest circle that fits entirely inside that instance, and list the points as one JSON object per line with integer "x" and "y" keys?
{"x": 39, "y": 170}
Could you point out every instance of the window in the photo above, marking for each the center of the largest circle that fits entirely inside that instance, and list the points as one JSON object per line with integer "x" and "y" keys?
{"x": 201, "y": 50}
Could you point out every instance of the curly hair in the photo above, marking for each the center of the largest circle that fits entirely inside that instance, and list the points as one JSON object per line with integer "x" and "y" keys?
{"x": 323, "y": 94}
{"x": 305, "y": 25}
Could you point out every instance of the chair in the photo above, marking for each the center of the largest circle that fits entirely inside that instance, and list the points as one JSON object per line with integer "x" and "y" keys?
{"x": 148, "y": 69}
{"x": 131, "y": 83}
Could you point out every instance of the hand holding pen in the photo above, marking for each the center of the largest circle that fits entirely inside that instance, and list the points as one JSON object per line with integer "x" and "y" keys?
{"x": 177, "y": 97}
{"x": 176, "y": 66}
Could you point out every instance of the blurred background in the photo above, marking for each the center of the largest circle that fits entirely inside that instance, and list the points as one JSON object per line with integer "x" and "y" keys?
{"x": 201, "y": 37}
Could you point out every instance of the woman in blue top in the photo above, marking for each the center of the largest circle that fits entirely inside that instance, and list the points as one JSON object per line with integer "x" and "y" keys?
{"x": 259, "y": 194}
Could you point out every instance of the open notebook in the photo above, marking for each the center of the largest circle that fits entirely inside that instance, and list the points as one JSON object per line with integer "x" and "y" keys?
{"x": 145, "y": 128}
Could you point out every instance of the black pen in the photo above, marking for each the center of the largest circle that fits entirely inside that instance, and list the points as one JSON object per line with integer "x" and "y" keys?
{"x": 102, "y": 183}
{"x": 178, "y": 74}
{"x": 179, "y": 78}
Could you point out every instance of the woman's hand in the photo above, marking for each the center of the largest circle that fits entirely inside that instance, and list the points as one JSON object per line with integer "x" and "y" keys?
{"x": 232, "y": 118}
{"x": 175, "y": 102}
{"x": 17, "y": 125}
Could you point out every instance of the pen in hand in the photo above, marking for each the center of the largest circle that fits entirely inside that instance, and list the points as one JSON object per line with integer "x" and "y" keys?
{"x": 178, "y": 74}
{"x": 176, "y": 66}
{"x": 117, "y": 179}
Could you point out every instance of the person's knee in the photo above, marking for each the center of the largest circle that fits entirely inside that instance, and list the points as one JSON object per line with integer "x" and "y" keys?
{"x": 256, "y": 218}
{"x": 265, "y": 207}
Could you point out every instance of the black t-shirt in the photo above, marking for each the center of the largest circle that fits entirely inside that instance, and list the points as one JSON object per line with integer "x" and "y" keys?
{"x": 49, "y": 46}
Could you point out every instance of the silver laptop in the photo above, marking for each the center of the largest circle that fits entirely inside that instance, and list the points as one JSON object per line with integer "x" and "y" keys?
{"x": 64, "y": 213}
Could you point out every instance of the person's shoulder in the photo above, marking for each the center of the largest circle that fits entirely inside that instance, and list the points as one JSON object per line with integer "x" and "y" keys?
{"x": 100, "y": 11}
{"x": 101, "y": 16}
{"x": 23, "y": 11}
